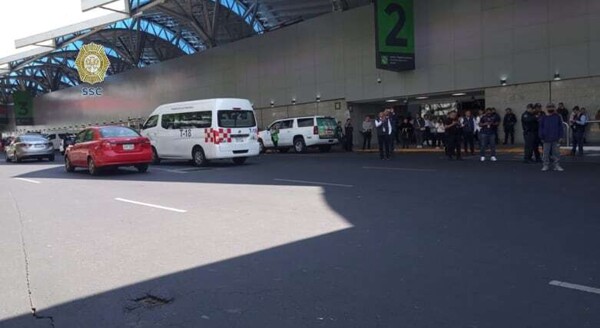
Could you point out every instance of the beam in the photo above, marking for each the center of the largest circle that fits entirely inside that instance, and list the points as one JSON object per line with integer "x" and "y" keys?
{"x": 87, "y": 5}
{"x": 70, "y": 29}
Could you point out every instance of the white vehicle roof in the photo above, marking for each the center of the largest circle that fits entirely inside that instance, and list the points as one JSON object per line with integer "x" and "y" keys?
{"x": 206, "y": 104}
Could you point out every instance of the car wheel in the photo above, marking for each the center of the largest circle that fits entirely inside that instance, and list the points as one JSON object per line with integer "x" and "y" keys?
{"x": 92, "y": 167}
{"x": 155, "y": 158}
{"x": 143, "y": 168}
{"x": 198, "y": 157}
{"x": 299, "y": 145}
{"x": 51, "y": 158}
{"x": 325, "y": 149}
{"x": 239, "y": 160}
{"x": 261, "y": 147}
{"x": 68, "y": 165}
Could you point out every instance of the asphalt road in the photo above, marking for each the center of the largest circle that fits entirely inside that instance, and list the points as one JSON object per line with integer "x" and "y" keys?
{"x": 313, "y": 240}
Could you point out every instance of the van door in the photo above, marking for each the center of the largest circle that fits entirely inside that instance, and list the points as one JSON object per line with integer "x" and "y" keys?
{"x": 191, "y": 131}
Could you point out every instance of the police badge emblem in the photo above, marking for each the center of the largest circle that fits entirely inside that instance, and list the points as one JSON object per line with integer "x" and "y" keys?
{"x": 92, "y": 63}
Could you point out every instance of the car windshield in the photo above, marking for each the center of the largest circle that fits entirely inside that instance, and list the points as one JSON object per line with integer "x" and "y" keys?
{"x": 118, "y": 132}
{"x": 33, "y": 139}
{"x": 236, "y": 119}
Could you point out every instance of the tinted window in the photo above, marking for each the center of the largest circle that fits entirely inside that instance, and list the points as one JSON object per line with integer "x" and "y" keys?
{"x": 118, "y": 132}
{"x": 89, "y": 135}
{"x": 80, "y": 136}
{"x": 191, "y": 120}
{"x": 288, "y": 124}
{"x": 305, "y": 122}
{"x": 151, "y": 122}
{"x": 236, "y": 118}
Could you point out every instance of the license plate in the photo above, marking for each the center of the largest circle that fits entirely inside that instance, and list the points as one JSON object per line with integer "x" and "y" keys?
{"x": 128, "y": 147}
{"x": 239, "y": 139}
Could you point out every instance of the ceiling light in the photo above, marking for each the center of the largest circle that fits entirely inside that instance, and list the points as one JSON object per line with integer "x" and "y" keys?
{"x": 391, "y": 100}
{"x": 458, "y": 94}
{"x": 556, "y": 76}
{"x": 422, "y": 98}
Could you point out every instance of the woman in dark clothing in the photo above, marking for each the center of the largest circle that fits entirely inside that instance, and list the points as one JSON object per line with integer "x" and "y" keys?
{"x": 406, "y": 131}
{"x": 349, "y": 132}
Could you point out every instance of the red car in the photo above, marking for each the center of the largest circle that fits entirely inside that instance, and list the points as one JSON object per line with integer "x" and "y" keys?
{"x": 108, "y": 147}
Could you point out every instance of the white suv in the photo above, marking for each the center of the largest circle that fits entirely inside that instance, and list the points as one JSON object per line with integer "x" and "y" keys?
{"x": 300, "y": 133}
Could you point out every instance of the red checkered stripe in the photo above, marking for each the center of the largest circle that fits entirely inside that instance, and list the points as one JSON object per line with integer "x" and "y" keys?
{"x": 217, "y": 136}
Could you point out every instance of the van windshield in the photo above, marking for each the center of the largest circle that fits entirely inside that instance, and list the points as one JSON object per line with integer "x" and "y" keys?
{"x": 236, "y": 119}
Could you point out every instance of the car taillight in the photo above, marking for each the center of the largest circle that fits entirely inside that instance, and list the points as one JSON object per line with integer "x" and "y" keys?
{"x": 146, "y": 143}
{"x": 107, "y": 145}
{"x": 315, "y": 129}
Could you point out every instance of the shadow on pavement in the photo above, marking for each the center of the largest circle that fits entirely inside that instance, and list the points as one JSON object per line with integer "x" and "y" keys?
{"x": 468, "y": 246}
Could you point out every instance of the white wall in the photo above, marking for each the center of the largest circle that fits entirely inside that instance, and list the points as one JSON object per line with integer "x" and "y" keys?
{"x": 460, "y": 44}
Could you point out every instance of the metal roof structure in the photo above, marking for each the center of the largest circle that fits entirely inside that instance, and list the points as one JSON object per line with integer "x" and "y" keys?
{"x": 153, "y": 31}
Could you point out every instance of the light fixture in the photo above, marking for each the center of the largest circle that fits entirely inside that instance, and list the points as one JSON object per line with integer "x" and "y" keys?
{"x": 318, "y": 98}
{"x": 391, "y": 100}
{"x": 556, "y": 76}
{"x": 272, "y": 103}
{"x": 293, "y": 101}
{"x": 422, "y": 98}
{"x": 378, "y": 80}
{"x": 458, "y": 94}
{"x": 503, "y": 82}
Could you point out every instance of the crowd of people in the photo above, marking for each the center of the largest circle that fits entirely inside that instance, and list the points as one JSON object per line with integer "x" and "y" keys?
{"x": 460, "y": 134}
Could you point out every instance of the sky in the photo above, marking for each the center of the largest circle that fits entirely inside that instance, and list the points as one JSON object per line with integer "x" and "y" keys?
{"x": 22, "y": 18}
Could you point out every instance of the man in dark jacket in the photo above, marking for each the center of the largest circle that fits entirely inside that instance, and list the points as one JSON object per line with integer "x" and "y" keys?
{"x": 384, "y": 127}
{"x": 509, "y": 122}
{"x": 551, "y": 133}
{"x": 530, "y": 125}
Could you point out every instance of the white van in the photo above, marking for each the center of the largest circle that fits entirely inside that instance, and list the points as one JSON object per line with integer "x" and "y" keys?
{"x": 203, "y": 130}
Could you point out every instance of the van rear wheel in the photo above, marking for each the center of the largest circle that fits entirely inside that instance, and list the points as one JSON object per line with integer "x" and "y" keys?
{"x": 198, "y": 157}
{"x": 299, "y": 145}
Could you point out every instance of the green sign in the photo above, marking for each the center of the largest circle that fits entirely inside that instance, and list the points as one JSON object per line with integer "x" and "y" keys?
{"x": 395, "y": 34}
{"x": 23, "y": 108}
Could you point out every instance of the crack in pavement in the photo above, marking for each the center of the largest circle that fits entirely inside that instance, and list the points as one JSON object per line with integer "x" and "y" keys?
{"x": 26, "y": 259}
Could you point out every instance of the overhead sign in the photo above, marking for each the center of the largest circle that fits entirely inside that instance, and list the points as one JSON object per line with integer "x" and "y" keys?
{"x": 23, "y": 107}
{"x": 92, "y": 63}
{"x": 394, "y": 34}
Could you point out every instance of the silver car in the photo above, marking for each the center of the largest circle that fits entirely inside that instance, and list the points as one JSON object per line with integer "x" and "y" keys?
{"x": 29, "y": 146}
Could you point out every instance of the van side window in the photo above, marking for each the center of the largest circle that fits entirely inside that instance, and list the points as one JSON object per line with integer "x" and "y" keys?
{"x": 196, "y": 120}
{"x": 151, "y": 122}
{"x": 305, "y": 122}
{"x": 168, "y": 121}
{"x": 288, "y": 124}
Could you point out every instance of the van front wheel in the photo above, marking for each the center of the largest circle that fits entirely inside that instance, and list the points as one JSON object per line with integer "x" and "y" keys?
{"x": 198, "y": 157}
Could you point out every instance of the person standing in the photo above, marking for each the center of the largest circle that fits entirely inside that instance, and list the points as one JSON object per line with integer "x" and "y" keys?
{"x": 393, "y": 117}
{"x": 367, "y": 132}
{"x": 578, "y": 123}
{"x": 275, "y": 134}
{"x": 551, "y": 133}
{"x": 468, "y": 129}
{"x": 529, "y": 122}
{"x": 509, "y": 122}
{"x": 406, "y": 130}
{"x": 339, "y": 133}
{"x": 487, "y": 134}
{"x": 349, "y": 133}
{"x": 453, "y": 131}
{"x": 563, "y": 112}
{"x": 384, "y": 127}
{"x": 419, "y": 130}
{"x": 440, "y": 133}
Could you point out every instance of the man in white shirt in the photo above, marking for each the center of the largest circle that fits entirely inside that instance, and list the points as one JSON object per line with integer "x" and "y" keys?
{"x": 384, "y": 127}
